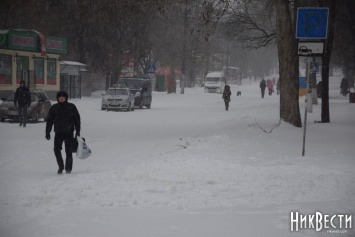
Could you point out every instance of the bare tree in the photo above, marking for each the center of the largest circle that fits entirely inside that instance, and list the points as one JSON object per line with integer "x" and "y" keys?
{"x": 325, "y": 115}
{"x": 261, "y": 23}
{"x": 252, "y": 23}
{"x": 344, "y": 39}
{"x": 288, "y": 64}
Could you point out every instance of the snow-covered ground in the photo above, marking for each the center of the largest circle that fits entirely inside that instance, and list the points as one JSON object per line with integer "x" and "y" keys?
{"x": 184, "y": 168}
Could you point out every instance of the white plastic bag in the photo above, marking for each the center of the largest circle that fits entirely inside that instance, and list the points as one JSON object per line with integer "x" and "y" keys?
{"x": 83, "y": 150}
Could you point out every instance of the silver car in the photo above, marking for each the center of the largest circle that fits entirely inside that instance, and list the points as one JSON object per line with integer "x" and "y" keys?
{"x": 117, "y": 99}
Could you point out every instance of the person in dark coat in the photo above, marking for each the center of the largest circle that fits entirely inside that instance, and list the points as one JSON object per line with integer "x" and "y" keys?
{"x": 344, "y": 87}
{"x": 227, "y": 96}
{"x": 262, "y": 87}
{"x": 22, "y": 101}
{"x": 66, "y": 118}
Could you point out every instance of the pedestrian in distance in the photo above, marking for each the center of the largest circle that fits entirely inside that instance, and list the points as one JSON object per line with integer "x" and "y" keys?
{"x": 65, "y": 117}
{"x": 278, "y": 87}
{"x": 344, "y": 87}
{"x": 227, "y": 96}
{"x": 270, "y": 86}
{"x": 262, "y": 87}
{"x": 22, "y": 101}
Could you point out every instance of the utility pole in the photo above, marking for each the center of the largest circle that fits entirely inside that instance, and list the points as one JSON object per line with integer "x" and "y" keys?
{"x": 308, "y": 104}
{"x": 183, "y": 66}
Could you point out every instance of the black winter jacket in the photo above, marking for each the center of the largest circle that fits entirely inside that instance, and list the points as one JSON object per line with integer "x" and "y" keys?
{"x": 65, "y": 118}
{"x": 22, "y": 96}
{"x": 262, "y": 84}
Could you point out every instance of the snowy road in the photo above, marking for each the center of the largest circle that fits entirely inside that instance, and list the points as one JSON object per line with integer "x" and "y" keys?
{"x": 183, "y": 168}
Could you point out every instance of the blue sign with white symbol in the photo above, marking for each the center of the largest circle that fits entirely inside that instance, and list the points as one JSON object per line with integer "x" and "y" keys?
{"x": 312, "y": 23}
{"x": 151, "y": 69}
{"x": 315, "y": 67}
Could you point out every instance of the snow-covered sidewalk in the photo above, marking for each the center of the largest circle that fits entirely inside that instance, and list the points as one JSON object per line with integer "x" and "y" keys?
{"x": 184, "y": 168}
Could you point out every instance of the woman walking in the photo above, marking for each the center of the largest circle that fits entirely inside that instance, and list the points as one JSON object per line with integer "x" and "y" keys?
{"x": 227, "y": 96}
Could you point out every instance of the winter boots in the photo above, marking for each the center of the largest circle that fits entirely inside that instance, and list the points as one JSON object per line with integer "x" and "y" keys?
{"x": 68, "y": 162}
{"x": 227, "y": 105}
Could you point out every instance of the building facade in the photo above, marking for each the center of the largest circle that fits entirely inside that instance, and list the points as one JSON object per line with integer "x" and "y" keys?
{"x": 30, "y": 56}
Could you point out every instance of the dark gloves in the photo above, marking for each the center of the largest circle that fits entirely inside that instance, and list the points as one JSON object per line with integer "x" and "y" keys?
{"x": 48, "y": 136}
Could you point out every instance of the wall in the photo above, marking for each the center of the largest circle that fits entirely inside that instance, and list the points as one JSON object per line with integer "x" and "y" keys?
{"x": 24, "y": 65}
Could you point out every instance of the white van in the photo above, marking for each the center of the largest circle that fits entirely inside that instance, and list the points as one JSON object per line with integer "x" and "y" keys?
{"x": 215, "y": 82}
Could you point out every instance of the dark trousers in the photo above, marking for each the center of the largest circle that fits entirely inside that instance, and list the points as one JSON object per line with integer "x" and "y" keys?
{"x": 344, "y": 91}
{"x": 22, "y": 113}
{"x": 262, "y": 92}
{"x": 58, "y": 142}
{"x": 226, "y": 104}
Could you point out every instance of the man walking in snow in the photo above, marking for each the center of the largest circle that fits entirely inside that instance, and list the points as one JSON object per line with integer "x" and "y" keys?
{"x": 23, "y": 101}
{"x": 66, "y": 118}
{"x": 262, "y": 87}
{"x": 344, "y": 87}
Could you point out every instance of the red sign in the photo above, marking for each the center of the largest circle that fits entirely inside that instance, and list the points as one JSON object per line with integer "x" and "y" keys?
{"x": 23, "y": 41}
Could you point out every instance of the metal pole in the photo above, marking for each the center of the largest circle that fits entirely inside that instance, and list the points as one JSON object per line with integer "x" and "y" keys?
{"x": 305, "y": 107}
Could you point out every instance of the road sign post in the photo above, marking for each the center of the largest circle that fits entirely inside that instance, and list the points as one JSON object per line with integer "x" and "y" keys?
{"x": 312, "y": 27}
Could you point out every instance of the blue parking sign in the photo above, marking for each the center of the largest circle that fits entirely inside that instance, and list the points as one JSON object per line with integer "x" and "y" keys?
{"x": 312, "y": 23}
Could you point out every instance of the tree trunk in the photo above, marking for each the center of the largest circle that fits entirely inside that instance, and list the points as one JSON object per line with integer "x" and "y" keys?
{"x": 182, "y": 84}
{"x": 288, "y": 65}
{"x": 172, "y": 81}
{"x": 325, "y": 116}
{"x": 184, "y": 54}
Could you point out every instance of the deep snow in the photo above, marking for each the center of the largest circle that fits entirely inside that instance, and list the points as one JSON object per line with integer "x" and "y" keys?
{"x": 184, "y": 168}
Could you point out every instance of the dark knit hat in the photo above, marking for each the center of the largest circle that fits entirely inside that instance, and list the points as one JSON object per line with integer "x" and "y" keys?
{"x": 62, "y": 93}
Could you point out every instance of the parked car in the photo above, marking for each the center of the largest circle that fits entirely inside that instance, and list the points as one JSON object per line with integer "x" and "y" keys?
{"x": 117, "y": 99}
{"x": 141, "y": 88}
{"x": 40, "y": 105}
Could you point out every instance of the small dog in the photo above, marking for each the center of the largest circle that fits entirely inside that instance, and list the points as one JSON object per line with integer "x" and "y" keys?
{"x": 239, "y": 93}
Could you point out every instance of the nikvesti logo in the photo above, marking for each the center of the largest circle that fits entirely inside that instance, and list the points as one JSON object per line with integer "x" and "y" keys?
{"x": 334, "y": 223}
